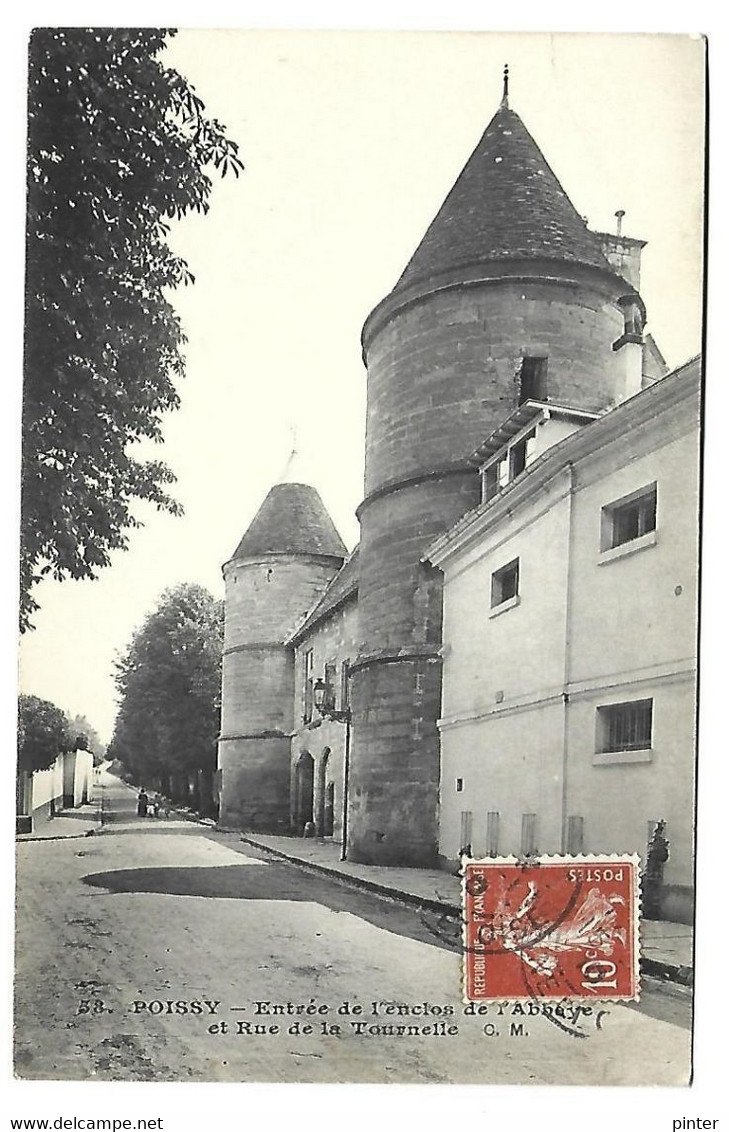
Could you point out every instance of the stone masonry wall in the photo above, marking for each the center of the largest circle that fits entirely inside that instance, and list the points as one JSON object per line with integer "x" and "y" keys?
{"x": 265, "y": 600}
{"x": 255, "y": 784}
{"x": 442, "y": 375}
{"x": 393, "y": 792}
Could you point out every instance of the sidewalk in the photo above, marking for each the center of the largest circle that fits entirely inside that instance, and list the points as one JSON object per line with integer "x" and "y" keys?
{"x": 79, "y": 822}
{"x": 666, "y": 951}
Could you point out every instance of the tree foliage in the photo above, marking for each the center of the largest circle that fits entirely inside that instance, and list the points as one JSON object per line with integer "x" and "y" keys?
{"x": 169, "y": 690}
{"x": 43, "y": 733}
{"x": 118, "y": 146}
{"x": 86, "y": 737}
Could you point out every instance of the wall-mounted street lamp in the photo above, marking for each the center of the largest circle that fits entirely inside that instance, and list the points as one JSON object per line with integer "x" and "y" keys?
{"x": 324, "y": 703}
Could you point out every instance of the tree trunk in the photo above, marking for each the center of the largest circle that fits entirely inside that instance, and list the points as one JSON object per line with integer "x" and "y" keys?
{"x": 205, "y": 791}
{"x": 178, "y": 785}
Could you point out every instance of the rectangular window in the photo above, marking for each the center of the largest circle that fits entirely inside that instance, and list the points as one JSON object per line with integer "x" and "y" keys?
{"x": 517, "y": 458}
{"x": 575, "y": 834}
{"x": 528, "y": 834}
{"x": 520, "y": 453}
{"x": 533, "y": 380}
{"x": 344, "y": 684}
{"x": 629, "y": 518}
{"x": 492, "y": 833}
{"x": 625, "y": 727}
{"x": 490, "y": 482}
{"x": 308, "y": 685}
{"x": 330, "y": 677}
{"x": 505, "y": 583}
{"x": 459, "y": 785}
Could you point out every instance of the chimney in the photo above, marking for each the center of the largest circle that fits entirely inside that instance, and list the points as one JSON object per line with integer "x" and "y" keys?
{"x": 623, "y": 252}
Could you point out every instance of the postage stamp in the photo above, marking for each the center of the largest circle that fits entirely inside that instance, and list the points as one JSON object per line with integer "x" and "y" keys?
{"x": 551, "y": 928}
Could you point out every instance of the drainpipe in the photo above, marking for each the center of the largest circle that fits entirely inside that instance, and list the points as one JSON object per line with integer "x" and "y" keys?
{"x": 566, "y": 672}
{"x": 345, "y": 783}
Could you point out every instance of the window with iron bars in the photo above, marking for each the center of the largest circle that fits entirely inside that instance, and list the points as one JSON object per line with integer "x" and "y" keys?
{"x": 625, "y": 727}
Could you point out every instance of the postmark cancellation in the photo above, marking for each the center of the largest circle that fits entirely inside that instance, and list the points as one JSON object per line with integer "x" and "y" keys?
{"x": 552, "y": 927}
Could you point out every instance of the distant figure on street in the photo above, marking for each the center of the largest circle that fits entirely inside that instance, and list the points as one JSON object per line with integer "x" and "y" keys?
{"x": 142, "y": 801}
{"x": 156, "y": 805}
{"x": 166, "y": 808}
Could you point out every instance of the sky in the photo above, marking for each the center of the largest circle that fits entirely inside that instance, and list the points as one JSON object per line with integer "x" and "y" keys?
{"x": 351, "y": 140}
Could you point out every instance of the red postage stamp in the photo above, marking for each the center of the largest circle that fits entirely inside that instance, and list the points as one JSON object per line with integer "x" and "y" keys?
{"x": 554, "y": 927}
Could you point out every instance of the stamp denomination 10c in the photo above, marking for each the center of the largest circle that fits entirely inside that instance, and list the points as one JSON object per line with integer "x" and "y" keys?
{"x": 551, "y": 927}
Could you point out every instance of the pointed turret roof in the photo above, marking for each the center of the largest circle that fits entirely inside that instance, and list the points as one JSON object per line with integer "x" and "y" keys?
{"x": 291, "y": 520}
{"x": 507, "y": 204}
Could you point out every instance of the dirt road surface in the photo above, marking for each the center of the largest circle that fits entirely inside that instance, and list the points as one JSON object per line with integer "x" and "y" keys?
{"x": 162, "y": 950}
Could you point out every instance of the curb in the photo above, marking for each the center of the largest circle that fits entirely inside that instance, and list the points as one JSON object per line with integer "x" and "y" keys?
{"x": 667, "y": 972}
{"x": 652, "y": 968}
{"x": 23, "y": 838}
{"x": 396, "y": 894}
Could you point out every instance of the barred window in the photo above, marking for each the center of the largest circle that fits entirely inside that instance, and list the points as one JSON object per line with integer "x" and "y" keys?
{"x": 625, "y": 727}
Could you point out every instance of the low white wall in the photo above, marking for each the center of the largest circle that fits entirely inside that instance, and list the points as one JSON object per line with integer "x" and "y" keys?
{"x": 83, "y": 774}
{"x": 47, "y": 788}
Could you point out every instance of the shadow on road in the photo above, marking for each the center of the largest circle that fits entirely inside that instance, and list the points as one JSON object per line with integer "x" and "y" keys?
{"x": 280, "y": 882}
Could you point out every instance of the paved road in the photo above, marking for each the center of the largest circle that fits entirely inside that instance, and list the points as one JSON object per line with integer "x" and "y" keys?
{"x": 164, "y": 950}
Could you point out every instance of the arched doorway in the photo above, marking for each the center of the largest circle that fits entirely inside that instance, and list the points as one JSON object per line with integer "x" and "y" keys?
{"x": 319, "y": 790}
{"x": 304, "y": 809}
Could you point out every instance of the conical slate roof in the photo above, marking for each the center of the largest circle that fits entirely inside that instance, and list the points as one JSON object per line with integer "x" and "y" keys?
{"x": 506, "y": 204}
{"x": 291, "y": 520}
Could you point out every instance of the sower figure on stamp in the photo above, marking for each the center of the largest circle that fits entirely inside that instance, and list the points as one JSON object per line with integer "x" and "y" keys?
{"x": 653, "y": 873}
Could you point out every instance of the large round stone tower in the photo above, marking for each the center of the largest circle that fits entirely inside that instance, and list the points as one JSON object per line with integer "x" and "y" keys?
{"x": 509, "y": 296}
{"x": 280, "y": 569}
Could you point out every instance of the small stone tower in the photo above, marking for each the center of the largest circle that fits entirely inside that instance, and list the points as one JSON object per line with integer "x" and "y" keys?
{"x": 280, "y": 569}
{"x": 509, "y": 296}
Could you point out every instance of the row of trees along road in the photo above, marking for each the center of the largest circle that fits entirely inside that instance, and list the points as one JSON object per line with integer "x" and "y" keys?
{"x": 168, "y": 681}
{"x": 118, "y": 147}
{"x": 45, "y": 732}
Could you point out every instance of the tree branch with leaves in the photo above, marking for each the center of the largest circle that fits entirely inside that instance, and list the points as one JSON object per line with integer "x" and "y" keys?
{"x": 118, "y": 147}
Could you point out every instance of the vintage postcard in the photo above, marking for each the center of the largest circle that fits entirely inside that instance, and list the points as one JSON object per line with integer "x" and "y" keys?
{"x": 361, "y": 473}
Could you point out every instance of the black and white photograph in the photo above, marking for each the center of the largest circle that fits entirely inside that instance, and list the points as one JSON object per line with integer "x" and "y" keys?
{"x": 360, "y": 532}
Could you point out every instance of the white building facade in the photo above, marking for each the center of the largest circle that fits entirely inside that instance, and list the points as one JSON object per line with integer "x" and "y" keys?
{"x": 570, "y": 636}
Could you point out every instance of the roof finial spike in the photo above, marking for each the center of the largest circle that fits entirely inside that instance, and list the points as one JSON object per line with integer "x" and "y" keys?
{"x": 292, "y": 463}
{"x": 505, "y": 96}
